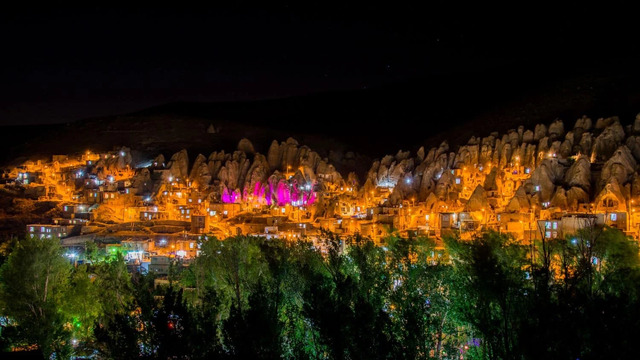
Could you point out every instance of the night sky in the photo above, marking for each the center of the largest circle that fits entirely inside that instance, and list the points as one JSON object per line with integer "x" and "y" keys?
{"x": 59, "y": 65}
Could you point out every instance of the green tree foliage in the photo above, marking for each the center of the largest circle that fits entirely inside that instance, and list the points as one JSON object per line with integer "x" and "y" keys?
{"x": 339, "y": 298}
{"x": 34, "y": 286}
{"x": 491, "y": 290}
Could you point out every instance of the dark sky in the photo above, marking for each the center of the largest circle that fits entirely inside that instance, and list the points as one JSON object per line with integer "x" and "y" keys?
{"x": 58, "y": 65}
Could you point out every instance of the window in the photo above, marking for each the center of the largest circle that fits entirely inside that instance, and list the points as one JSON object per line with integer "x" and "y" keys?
{"x": 190, "y": 245}
{"x": 31, "y": 229}
{"x": 536, "y": 188}
{"x": 42, "y": 229}
{"x": 614, "y": 217}
{"x": 547, "y": 225}
{"x": 555, "y": 225}
{"x": 458, "y": 181}
{"x": 527, "y": 170}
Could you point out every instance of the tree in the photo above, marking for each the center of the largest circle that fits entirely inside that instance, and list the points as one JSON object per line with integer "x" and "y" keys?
{"x": 491, "y": 292}
{"x": 114, "y": 286}
{"x": 34, "y": 283}
{"x": 233, "y": 267}
{"x": 255, "y": 332}
{"x": 82, "y": 304}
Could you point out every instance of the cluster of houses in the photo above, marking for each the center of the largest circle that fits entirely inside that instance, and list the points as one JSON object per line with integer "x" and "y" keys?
{"x": 529, "y": 185}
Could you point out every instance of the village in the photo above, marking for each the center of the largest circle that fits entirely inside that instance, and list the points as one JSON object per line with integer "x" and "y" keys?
{"x": 545, "y": 183}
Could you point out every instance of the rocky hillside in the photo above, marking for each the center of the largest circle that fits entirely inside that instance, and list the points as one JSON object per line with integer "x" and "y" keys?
{"x": 564, "y": 166}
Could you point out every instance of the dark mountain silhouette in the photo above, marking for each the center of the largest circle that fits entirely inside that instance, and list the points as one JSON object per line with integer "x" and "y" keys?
{"x": 369, "y": 122}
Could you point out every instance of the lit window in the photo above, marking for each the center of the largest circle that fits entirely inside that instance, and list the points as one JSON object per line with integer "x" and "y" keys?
{"x": 527, "y": 170}
{"x": 555, "y": 225}
{"x": 547, "y": 225}
{"x": 547, "y": 234}
{"x": 536, "y": 188}
{"x": 42, "y": 229}
{"x": 458, "y": 181}
{"x": 212, "y": 213}
{"x": 614, "y": 217}
{"x": 31, "y": 229}
{"x": 226, "y": 212}
{"x": 190, "y": 245}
